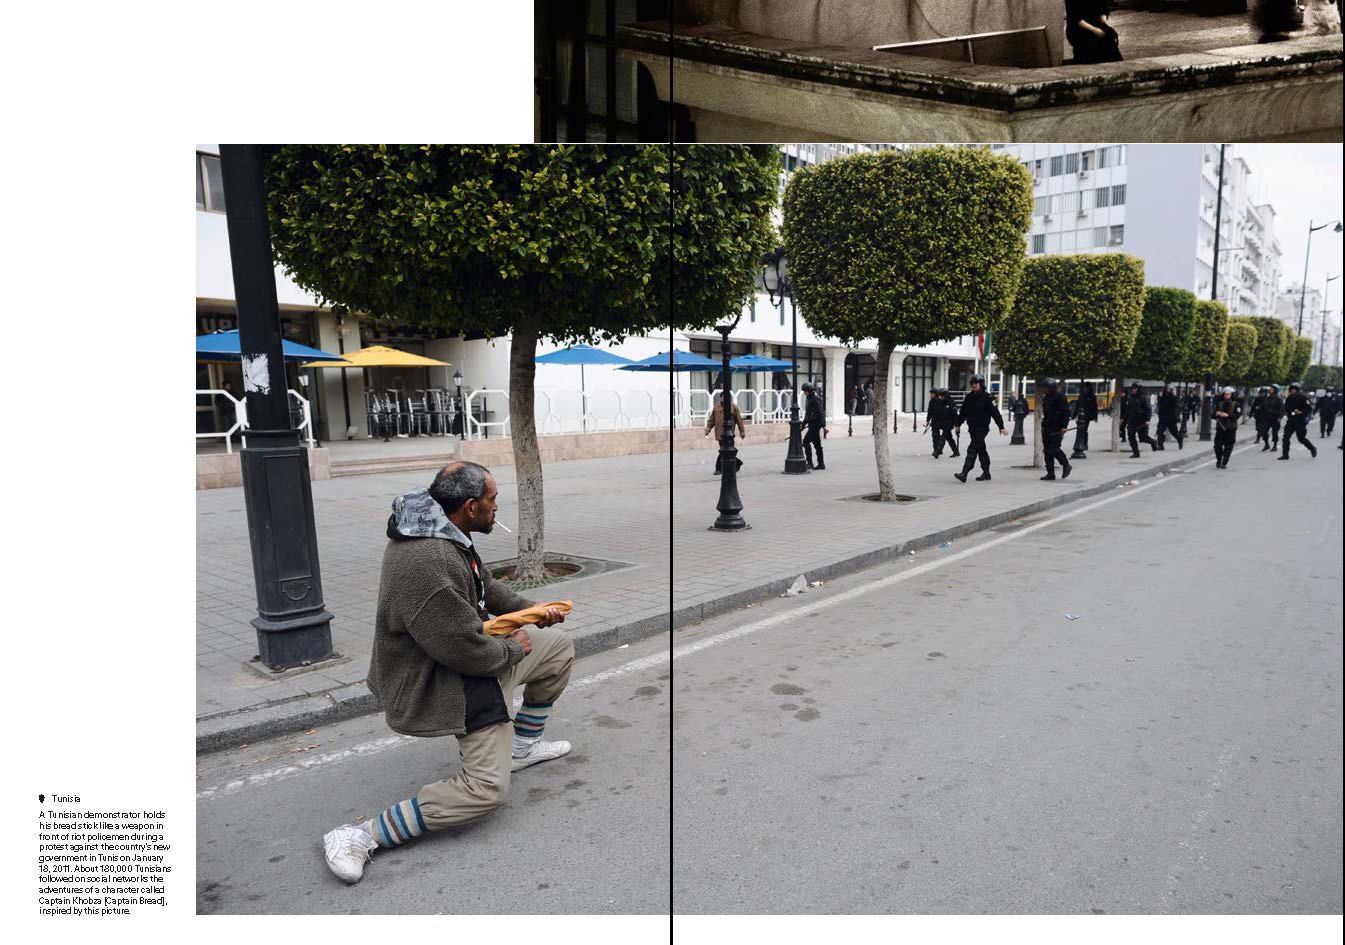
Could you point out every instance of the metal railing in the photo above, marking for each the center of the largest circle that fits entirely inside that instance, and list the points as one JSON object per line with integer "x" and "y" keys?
{"x": 240, "y": 425}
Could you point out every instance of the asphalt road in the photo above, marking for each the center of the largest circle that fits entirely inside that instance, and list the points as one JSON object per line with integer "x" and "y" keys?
{"x": 938, "y": 736}
{"x": 588, "y": 833}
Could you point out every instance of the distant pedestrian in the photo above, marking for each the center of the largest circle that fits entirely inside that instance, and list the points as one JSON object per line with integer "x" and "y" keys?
{"x": 939, "y": 420}
{"x": 1258, "y": 412}
{"x": 1296, "y": 409}
{"x": 1084, "y": 411}
{"x": 1054, "y": 421}
{"x": 1192, "y": 407}
{"x": 1272, "y": 409}
{"x": 714, "y": 424}
{"x": 1119, "y": 406}
{"x": 1167, "y": 416}
{"x": 1090, "y": 35}
{"x": 1327, "y": 408}
{"x": 226, "y": 404}
{"x": 815, "y": 423}
{"x": 978, "y": 409}
{"x": 1137, "y": 416}
{"x": 1227, "y": 410}
{"x": 438, "y": 673}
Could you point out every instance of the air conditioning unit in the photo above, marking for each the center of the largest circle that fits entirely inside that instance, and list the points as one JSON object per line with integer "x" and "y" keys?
{"x": 1083, "y": 175}
{"x": 1114, "y": 242}
{"x": 1047, "y": 218}
{"x": 1083, "y": 212}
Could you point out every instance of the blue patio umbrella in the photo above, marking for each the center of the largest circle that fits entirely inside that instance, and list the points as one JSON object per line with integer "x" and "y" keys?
{"x": 680, "y": 361}
{"x": 223, "y": 346}
{"x": 747, "y": 363}
{"x": 582, "y": 355}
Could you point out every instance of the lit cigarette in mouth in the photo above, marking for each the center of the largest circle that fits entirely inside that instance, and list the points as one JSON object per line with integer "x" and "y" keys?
{"x": 505, "y": 527}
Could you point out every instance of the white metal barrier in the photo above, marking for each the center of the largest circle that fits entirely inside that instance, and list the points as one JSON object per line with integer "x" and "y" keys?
{"x": 473, "y": 427}
{"x": 241, "y": 419}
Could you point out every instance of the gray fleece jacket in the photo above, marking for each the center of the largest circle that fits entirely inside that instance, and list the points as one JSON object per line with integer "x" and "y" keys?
{"x": 432, "y": 667}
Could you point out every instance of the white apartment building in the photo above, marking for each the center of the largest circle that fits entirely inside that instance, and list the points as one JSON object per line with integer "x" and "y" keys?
{"x": 1319, "y": 321}
{"x": 1157, "y": 202}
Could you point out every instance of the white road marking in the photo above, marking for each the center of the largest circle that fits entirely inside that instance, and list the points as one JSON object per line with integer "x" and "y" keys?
{"x": 810, "y": 609}
{"x": 379, "y": 745}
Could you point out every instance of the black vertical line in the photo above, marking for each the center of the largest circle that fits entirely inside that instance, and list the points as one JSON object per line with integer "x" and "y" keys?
{"x": 672, "y": 544}
{"x": 611, "y": 70}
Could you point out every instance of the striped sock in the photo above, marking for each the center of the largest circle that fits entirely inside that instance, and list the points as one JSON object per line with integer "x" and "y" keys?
{"x": 398, "y": 824}
{"x": 529, "y": 721}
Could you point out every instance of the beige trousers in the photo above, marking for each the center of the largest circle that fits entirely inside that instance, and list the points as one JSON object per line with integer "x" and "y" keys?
{"x": 482, "y": 782}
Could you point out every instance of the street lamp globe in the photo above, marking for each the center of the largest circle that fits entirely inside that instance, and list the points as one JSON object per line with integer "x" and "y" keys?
{"x": 457, "y": 379}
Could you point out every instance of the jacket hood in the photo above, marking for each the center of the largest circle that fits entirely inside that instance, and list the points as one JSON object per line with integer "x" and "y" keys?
{"x": 417, "y": 515}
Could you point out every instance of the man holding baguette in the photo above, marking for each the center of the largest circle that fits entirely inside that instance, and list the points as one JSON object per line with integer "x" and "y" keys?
{"x": 438, "y": 671}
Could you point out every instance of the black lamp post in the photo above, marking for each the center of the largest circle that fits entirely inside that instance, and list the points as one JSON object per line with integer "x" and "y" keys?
{"x": 730, "y": 505}
{"x": 462, "y": 406}
{"x": 775, "y": 281}
{"x": 1326, "y": 295}
{"x": 292, "y": 622}
{"x": 1303, "y": 293}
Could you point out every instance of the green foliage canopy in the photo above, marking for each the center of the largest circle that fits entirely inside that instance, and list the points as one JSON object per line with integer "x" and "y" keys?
{"x": 1074, "y": 316}
{"x": 907, "y": 247}
{"x": 1160, "y": 346}
{"x": 1240, "y": 350}
{"x": 1209, "y": 336}
{"x": 1300, "y": 354}
{"x": 1268, "y": 359}
{"x": 1322, "y": 375}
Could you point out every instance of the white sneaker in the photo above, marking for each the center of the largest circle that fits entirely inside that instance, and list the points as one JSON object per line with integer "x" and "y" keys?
{"x": 348, "y": 848}
{"x": 541, "y": 751}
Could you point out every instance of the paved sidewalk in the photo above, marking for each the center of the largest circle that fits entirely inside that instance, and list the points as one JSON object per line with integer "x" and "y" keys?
{"x": 616, "y": 509}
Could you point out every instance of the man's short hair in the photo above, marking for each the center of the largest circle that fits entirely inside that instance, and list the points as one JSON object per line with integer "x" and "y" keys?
{"x": 458, "y": 482}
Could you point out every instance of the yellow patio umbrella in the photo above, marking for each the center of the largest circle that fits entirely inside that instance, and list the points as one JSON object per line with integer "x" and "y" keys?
{"x": 378, "y": 356}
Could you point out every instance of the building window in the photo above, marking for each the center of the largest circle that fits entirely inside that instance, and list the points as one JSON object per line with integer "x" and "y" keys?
{"x": 1072, "y": 163}
{"x": 1036, "y": 169}
{"x": 1053, "y": 242}
{"x": 1041, "y": 206}
{"x": 917, "y": 377}
{"x": 1099, "y": 236}
{"x": 752, "y": 309}
{"x": 1038, "y": 244}
{"x": 209, "y": 183}
{"x": 1086, "y": 161}
{"x": 1102, "y": 197}
{"x": 1071, "y": 202}
{"x": 1057, "y": 165}
{"x": 1069, "y": 240}
{"x": 1118, "y": 195}
{"x": 1111, "y": 157}
{"x": 1085, "y": 198}
{"x": 1118, "y": 234}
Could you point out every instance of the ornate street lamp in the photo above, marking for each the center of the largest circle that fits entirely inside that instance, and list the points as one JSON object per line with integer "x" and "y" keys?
{"x": 462, "y": 405}
{"x": 730, "y": 505}
{"x": 774, "y": 281}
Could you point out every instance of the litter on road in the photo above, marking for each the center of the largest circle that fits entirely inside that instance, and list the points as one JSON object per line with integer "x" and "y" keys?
{"x": 1071, "y": 616}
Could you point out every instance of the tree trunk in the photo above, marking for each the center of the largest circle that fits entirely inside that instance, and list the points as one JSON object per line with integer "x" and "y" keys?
{"x": 1116, "y": 414}
{"x": 887, "y": 491}
{"x": 527, "y": 460}
{"x": 1038, "y": 452}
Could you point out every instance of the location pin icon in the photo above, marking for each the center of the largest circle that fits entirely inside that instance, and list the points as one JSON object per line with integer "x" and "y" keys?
{"x": 41, "y": 798}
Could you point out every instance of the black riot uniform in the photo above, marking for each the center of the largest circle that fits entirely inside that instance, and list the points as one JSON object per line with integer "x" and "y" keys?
{"x": 1054, "y": 420}
{"x": 1258, "y": 413}
{"x": 1167, "y": 417}
{"x": 1296, "y": 411}
{"x": 1227, "y": 410}
{"x": 1327, "y": 408}
{"x": 1084, "y": 411}
{"x": 978, "y": 409}
{"x": 814, "y": 420}
{"x": 1137, "y": 415}
{"x": 1272, "y": 408}
{"x": 940, "y": 419}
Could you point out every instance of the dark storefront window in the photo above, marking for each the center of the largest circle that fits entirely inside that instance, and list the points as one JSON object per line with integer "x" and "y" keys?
{"x": 917, "y": 377}
{"x": 587, "y": 91}
{"x": 812, "y": 369}
{"x": 713, "y": 348}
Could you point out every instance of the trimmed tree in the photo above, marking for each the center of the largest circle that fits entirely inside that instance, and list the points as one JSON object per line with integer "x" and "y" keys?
{"x": 1268, "y": 358}
{"x": 1073, "y": 316}
{"x": 1239, "y": 351}
{"x": 1322, "y": 375}
{"x": 1299, "y": 356}
{"x": 1207, "y": 345}
{"x": 906, "y": 247}
{"x": 561, "y": 241}
{"x": 1160, "y": 346}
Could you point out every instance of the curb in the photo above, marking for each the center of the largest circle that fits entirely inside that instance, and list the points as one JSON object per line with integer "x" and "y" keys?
{"x": 217, "y": 733}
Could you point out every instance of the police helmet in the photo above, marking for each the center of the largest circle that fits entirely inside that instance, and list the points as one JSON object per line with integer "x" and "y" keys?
{"x": 1134, "y": 385}
{"x": 1293, "y": 385}
{"x": 1229, "y": 390}
{"x": 978, "y": 379}
{"x": 1050, "y": 383}
{"x": 1275, "y": 388}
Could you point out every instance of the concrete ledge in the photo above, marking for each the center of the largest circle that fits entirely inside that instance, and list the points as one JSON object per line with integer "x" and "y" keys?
{"x": 221, "y": 470}
{"x": 228, "y": 730}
